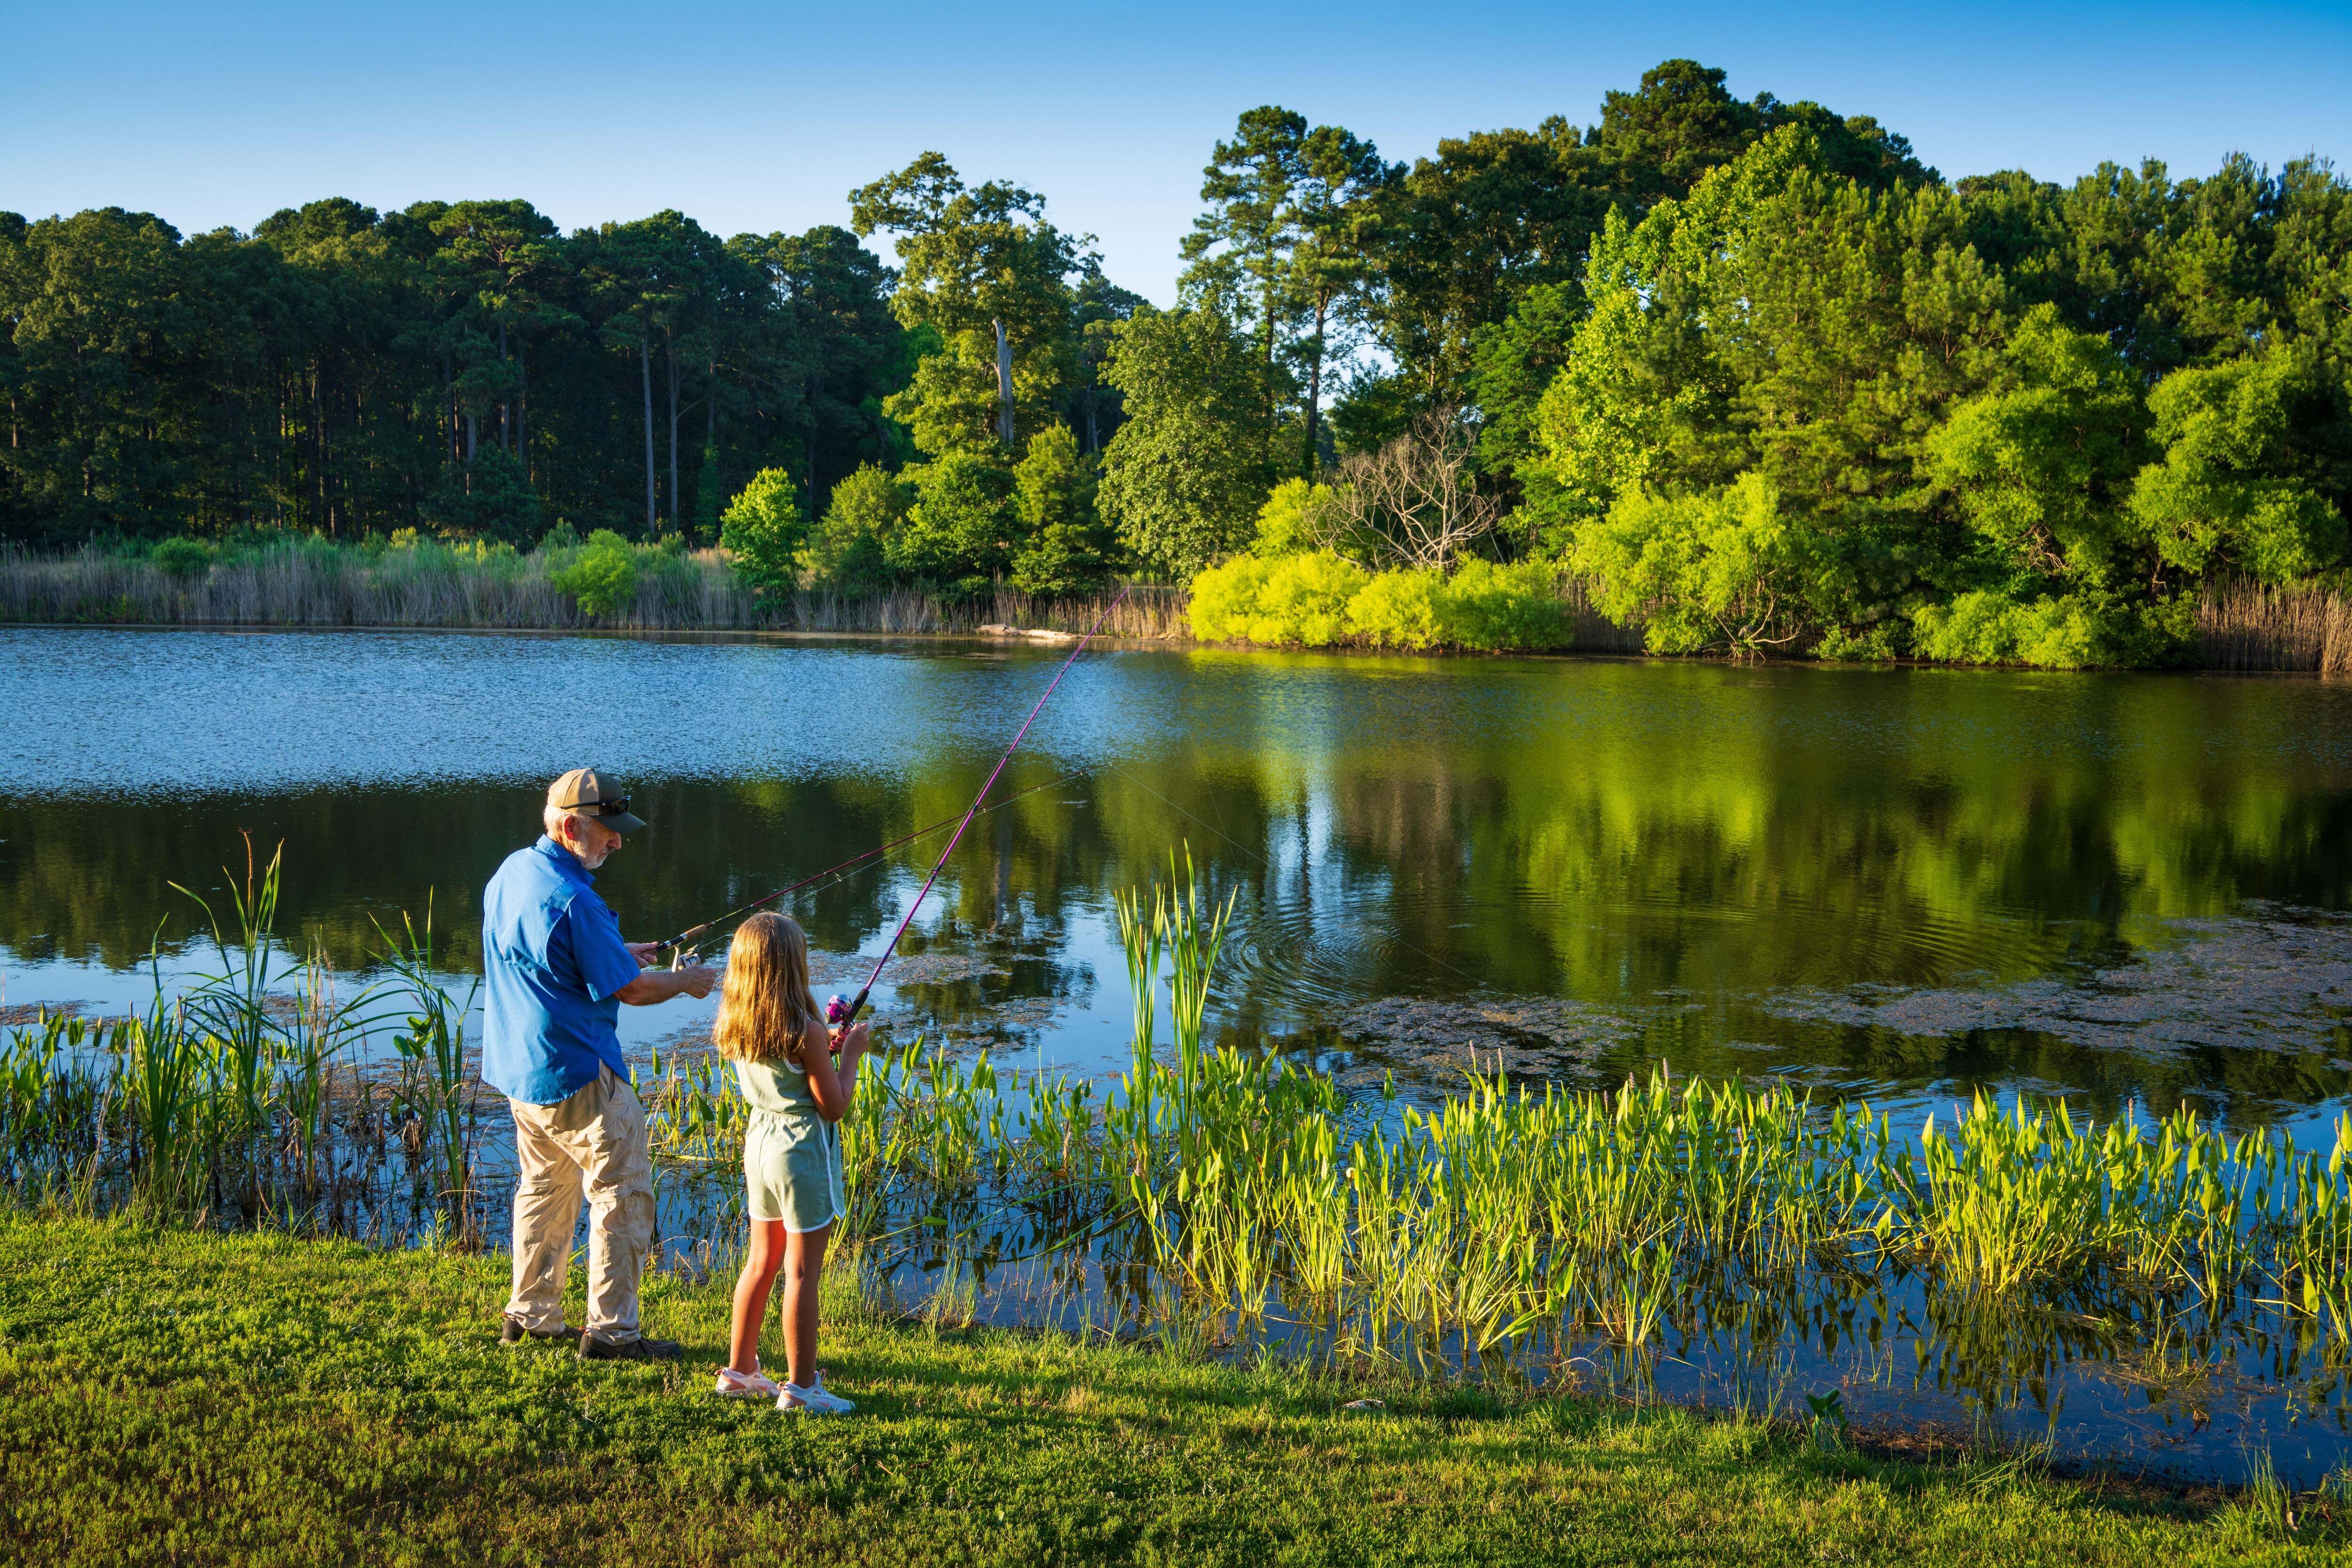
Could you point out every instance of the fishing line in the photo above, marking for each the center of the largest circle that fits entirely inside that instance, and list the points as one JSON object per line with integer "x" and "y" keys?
{"x": 854, "y": 864}
{"x": 849, "y": 1016}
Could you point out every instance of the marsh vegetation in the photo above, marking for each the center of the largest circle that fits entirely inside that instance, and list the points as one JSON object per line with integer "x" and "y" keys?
{"x": 1216, "y": 1200}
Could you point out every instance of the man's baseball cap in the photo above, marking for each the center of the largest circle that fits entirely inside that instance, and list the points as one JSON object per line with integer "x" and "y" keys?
{"x": 592, "y": 795}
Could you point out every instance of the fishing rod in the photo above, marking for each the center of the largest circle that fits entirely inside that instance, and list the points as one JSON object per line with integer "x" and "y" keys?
{"x": 847, "y": 1014}
{"x": 683, "y": 939}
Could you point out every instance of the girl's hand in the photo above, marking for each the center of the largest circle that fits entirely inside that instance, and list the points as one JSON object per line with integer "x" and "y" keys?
{"x": 832, "y": 1078}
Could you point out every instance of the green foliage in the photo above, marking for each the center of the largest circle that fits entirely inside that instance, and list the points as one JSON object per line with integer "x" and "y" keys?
{"x": 1493, "y": 607}
{"x": 2221, "y": 494}
{"x": 1065, "y": 547}
{"x": 1783, "y": 324}
{"x": 2057, "y": 632}
{"x": 1314, "y": 599}
{"x": 1926, "y": 427}
{"x": 1513, "y": 364}
{"x": 1281, "y": 523}
{"x": 604, "y": 580}
{"x": 1186, "y": 474}
{"x": 1303, "y": 600}
{"x": 1470, "y": 233}
{"x": 2070, "y": 631}
{"x": 847, "y": 548}
{"x": 463, "y": 367}
{"x": 709, "y": 497}
{"x": 973, "y": 259}
{"x": 1779, "y": 319}
{"x": 764, "y": 531}
{"x": 957, "y": 536}
{"x": 1402, "y": 608}
{"x": 2041, "y": 467}
{"x": 1222, "y": 598}
{"x": 1375, "y": 411}
{"x": 489, "y": 499}
{"x": 182, "y": 557}
{"x": 1727, "y": 570}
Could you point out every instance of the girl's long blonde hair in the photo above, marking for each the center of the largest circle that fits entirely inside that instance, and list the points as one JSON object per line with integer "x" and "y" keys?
{"x": 765, "y": 1007}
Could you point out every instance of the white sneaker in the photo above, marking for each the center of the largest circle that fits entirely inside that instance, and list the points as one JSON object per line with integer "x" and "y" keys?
{"x": 811, "y": 1401}
{"x": 752, "y": 1384}
{"x": 817, "y": 1382}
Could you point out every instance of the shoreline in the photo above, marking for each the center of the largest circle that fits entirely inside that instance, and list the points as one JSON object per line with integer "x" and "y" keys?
{"x": 1045, "y": 641}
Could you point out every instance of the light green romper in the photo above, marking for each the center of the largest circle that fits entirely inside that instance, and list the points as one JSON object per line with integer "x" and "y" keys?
{"x": 792, "y": 1155}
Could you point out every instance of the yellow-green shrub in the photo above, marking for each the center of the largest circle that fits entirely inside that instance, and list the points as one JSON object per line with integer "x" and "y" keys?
{"x": 1492, "y": 607}
{"x": 1282, "y": 522}
{"x": 1225, "y": 597}
{"x": 1406, "y": 608}
{"x": 1315, "y": 600}
{"x": 1303, "y": 599}
{"x": 2056, "y": 632}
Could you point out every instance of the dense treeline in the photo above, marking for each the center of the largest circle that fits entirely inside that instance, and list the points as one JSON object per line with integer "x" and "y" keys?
{"x": 1763, "y": 382}
{"x": 1750, "y": 370}
{"x": 463, "y": 368}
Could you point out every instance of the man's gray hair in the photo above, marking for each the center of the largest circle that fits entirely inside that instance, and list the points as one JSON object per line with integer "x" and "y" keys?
{"x": 552, "y": 818}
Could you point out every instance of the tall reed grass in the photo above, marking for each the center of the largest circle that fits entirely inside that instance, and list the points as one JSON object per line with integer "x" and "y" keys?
{"x": 242, "y": 1099}
{"x": 2241, "y": 624}
{"x": 310, "y": 583}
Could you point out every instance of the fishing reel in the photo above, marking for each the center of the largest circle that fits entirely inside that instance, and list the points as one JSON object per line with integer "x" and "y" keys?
{"x": 840, "y": 1013}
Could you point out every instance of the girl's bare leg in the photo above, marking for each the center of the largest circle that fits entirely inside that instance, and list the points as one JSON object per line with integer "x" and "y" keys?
{"x": 803, "y": 1269}
{"x": 766, "y": 1255}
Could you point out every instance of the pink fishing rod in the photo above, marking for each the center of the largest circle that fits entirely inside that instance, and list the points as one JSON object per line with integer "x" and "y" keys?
{"x": 846, "y": 1015}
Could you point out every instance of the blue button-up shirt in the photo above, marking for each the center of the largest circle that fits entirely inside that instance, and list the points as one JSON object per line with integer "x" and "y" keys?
{"x": 552, "y": 955}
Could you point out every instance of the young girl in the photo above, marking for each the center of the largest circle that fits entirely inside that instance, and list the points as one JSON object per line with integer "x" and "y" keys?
{"x": 770, "y": 1027}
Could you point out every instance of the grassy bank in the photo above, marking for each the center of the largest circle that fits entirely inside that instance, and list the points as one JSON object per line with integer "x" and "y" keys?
{"x": 192, "y": 1398}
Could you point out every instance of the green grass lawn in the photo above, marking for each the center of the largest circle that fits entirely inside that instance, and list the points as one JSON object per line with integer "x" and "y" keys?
{"x": 168, "y": 1397}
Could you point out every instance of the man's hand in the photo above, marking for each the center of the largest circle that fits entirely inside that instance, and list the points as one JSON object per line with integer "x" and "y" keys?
{"x": 656, "y": 985}
{"x": 643, "y": 951}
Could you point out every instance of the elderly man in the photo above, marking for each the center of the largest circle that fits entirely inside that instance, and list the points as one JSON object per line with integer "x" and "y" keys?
{"x": 558, "y": 971}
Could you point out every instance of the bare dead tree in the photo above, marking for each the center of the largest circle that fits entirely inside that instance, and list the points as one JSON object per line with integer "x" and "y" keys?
{"x": 1414, "y": 502}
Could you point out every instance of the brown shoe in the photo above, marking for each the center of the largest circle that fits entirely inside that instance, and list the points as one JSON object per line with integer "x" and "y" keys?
{"x": 593, "y": 1348}
{"x": 512, "y": 1332}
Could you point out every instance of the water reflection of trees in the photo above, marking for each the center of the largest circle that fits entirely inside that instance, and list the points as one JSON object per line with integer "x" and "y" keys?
{"x": 1655, "y": 836}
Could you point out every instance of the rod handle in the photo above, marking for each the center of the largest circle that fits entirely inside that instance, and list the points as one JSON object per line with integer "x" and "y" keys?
{"x": 842, "y": 1014}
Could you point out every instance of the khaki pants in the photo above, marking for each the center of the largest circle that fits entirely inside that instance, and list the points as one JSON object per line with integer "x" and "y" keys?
{"x": 595, "y": 1139}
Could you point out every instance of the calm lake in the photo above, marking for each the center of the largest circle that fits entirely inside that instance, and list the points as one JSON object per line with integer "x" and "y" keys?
{"x": 1895, "y": 884}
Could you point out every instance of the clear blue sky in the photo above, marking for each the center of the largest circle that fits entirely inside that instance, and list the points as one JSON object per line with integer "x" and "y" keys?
{"x": 765, "y": 117}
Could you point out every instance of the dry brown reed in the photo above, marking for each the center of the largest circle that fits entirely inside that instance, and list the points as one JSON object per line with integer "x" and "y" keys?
{"x": 294, "y": 585}
{"x": 2241, "y": 624}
